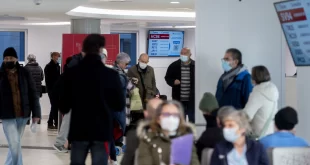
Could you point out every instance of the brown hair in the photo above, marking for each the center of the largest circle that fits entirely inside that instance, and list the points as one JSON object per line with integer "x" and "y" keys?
{"x": 260, "y": 74}
{"x": 55, "y": 54}
{"x": 154, "y": 123}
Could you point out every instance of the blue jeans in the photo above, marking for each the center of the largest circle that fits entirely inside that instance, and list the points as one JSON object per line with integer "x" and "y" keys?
{"x": 120, "y": 117}
{"x": 14, "y": 130}
{"x": 79, "y": 151}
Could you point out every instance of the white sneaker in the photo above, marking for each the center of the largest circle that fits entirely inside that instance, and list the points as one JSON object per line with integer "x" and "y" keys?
{"x": 111, "y": 162}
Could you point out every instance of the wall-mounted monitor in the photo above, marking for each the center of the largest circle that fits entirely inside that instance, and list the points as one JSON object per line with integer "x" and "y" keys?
{"x": 165, "y": 43}
{"x": 294, "y": 17}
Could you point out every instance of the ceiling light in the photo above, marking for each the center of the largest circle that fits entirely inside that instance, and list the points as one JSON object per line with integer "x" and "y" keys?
{"x": 89, "y": 10}
{"x": 175, "y": 2}
{"x": 47, "y": 23}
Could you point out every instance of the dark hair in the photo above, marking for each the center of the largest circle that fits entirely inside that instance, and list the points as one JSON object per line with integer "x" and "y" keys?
{"x": 68, "y": 60}
{"x": 260, "y": 74}
{"x": 92, "y": 43}
{"x": 55, "y": 54}
{"x": 236, "y": 54}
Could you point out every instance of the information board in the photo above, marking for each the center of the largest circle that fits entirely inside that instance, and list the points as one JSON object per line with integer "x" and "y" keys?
{"x": 165, "y": 43}
{"x": 294, "y": 18}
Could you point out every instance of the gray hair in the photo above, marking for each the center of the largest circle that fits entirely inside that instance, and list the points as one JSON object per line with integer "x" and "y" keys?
{"x": 239, "y": 116}
{"x": 122, "y": 58}
{"x": 31, "y": 58}
{"x": 225, "y": 111}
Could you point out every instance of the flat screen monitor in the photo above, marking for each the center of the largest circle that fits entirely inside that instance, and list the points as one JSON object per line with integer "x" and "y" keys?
{"x": 294, "y": 17}
{"x": 165, "y": 43}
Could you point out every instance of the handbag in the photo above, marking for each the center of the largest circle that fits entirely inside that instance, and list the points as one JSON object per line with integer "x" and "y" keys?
{"x": 135, "y": 100}
{"x": 253, "y": 136}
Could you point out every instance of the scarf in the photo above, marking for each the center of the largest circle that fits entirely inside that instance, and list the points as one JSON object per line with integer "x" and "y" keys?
{"x": 229, "y": 77}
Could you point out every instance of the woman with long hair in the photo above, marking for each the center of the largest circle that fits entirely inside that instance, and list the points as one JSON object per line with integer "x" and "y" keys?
{"x": 156, "y": 136}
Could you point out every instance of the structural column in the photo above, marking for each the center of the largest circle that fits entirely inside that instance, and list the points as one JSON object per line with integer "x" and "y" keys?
{"x": 85, "y": 26}
{"x": 250, "y": 26}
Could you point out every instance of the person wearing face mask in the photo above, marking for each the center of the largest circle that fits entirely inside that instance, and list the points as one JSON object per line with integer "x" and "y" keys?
{"x": 52, "y": 74}
{"x": 155, "y": 138}
{"x": 235, "y": 85}
{"x": 263, "y": 102}
{"x": 237, "y": 148}
{"x": 180, "y": 76}
{"x": 18, "y": 100}
{"x": 146, "y": 78}
{"x": 92, "y": 92}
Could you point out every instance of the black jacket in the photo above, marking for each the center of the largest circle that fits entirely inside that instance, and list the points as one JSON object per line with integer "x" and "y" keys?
{"x": 37, "y": 75}
{"x": 174, "y": 73}
{"x": 52, "y": 74}
{"x": 91, "y": 90}
{"x": 255, "y": 154}
{"x": 29, "y": 98}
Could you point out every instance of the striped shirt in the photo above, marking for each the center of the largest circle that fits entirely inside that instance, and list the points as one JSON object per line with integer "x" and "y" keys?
{"x": 185, "y": 82}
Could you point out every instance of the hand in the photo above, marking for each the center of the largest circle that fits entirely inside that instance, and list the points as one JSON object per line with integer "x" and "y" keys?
{"x": 177, "y": 82}
{"x": 35, "y": 120}
{"x": 135, "y": 80}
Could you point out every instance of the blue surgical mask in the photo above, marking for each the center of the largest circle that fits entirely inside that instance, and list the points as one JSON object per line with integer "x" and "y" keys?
{"x": 59, "y": 60}
{"x": 184, "y": 58}
{"x": 226, "y": 66}
{"x": 230, "y": 134}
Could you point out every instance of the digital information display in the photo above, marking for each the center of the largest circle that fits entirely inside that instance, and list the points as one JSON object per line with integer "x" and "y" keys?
{"x": 294, "y": 18}
{"x": 165, "y": 43}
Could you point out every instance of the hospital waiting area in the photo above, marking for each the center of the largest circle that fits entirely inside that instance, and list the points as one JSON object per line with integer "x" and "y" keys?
{"x": 165, "y": 82}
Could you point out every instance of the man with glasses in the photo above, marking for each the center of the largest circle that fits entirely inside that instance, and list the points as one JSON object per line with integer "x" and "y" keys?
{"x": 145, "y": 79}
{"x": 235, "y": 85}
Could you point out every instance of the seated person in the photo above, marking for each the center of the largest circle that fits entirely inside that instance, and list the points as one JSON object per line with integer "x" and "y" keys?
{"x": 213, "y": 133}
{"x": 285, "y": 121}
{"x": 155, "y": 137}
{"x": 237, "y": 148}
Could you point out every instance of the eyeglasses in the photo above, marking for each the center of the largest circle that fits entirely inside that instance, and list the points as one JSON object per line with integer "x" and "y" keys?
{"x": 166, "y": 114}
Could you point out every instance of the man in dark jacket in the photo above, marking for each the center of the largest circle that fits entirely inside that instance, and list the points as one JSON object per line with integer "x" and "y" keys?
{"x": 36, "y": 71}
{"x": 181, "y": 77}
{"x": 91, "y": 90}
{"x": 18, "y": 99}
{"x": 52, "y": 74}
{"x": 132, "y": 140}
{"x": 235, "y": 85}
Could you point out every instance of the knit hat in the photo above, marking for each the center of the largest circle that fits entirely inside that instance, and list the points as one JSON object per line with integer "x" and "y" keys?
{"x": 208, "y": 103}
{"x": 10, "y": 52}
{"x": 286, "y": 118}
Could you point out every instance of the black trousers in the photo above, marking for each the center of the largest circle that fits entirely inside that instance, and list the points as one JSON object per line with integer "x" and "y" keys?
{"x": 53, "y": 117}
{"x": 189, "y": 110}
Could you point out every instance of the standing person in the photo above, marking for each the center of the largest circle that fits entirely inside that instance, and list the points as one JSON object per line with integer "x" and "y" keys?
{"x": 91, "y": 91}
{"x": 146, "y": 79}
{"x": 18, "y": 99}
{"x": 263, "y": 102}
{"x": 237, "y": 148}
{"x": 52, "y": 74}
{"x": 181, "y": 77}
{"x": 235, "y": 85}
{"x": 37, "y": 74}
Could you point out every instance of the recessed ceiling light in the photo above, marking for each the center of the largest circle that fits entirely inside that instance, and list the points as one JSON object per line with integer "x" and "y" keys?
{"x": 175, "y": 2}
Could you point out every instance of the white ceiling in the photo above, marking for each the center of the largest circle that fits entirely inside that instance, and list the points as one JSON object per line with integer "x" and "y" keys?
{"x": 55, "y": 10}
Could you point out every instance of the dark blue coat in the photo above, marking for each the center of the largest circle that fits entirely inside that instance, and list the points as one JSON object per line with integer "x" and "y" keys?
{"x": 237, "y": 93}
{"x": 255, "y": 154}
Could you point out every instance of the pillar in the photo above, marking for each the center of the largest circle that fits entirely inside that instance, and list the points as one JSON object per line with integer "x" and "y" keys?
{"x": 85, "y": 26}
{"x": 105, "y": 29}
{"x": 250, "y": 26}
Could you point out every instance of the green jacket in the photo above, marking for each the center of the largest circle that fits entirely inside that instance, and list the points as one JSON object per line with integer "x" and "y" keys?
{"x": 148, "y": 79}
{"x": 154, "y": 148}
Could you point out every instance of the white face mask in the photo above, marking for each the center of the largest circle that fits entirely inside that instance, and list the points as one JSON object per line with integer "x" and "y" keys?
{"x": 142, "y": 65}
{"x": 170, "y": 124}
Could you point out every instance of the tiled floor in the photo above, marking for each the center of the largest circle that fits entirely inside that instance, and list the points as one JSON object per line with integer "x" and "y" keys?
{"x": 42, "y": 138}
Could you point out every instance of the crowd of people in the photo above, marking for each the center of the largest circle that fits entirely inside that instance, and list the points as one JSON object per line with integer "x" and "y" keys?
{"x": 94, "y": 99}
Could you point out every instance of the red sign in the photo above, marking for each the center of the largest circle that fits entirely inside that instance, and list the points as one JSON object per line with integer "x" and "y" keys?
{"x": 293, "y": 15}
{"x": 159, "y": 36}
{"x": 73, "y": 43}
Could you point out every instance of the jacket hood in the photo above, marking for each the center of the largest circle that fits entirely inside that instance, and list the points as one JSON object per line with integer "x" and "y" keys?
{"x": 144, "y": 128}
{"x": 268, "y": 90}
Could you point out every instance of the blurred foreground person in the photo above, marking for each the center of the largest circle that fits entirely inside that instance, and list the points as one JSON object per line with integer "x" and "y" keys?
{"x": 18, "y": 99}
{"x": 90, "y": 96}
{"x": 156, "y": 137}
{"x": 237, "y": 148}
{"x": 132, "y": 140}
{"x": 285, "y": 122}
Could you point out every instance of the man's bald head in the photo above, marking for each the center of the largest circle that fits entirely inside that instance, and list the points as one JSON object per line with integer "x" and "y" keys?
{"x": 151, "y": 107}
{"x": 144, "y": 58}
{"x": 186, "y": 51}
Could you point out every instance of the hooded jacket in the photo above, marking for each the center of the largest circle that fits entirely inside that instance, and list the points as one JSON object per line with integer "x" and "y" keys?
{"x": 37, "y": 75}
{"x": 151, "y": 143}
{"x": 262, "y": 103}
